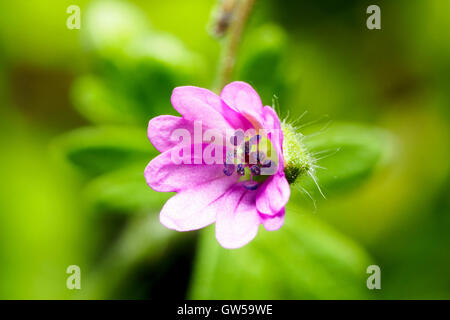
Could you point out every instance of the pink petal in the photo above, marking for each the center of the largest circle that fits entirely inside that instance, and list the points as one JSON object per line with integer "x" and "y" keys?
{"x": 203, "y": 105}
{"x": 243, "y": 98}
{"x": 271, "y": 121}
{"x": 272, "y": 223}
{"x": 163, "y": 175}
{"x": 161, "y": 128}
{"x": 237, "y": 220}
{"x": 189, "y": 209}
{"x": 273, "y": 195}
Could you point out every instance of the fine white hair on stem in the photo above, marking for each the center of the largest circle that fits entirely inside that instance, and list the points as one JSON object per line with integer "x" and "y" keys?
{"x": 320, "y": 131}
{"x": 307, "y": 124}
{"x": 319, "y": 167}
{"x": 327, "y": 155}
{"x": 303, "y": 190}
{"x": 317, "y": 184}
{"x": 276, "y": 104}
{"x": 299, "y": 118}
{"x": 317, "y": 153}
{"x": 310, "y": 161}
{"x": 287, "y": 116}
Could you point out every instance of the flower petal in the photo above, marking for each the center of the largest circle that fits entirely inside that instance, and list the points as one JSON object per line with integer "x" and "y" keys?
{"x": 163, "y": 175}
{"x": 272, "y": 223}
{"x": 237, "y": 220}
{"x": 161, "y": 128}
{"x": 272, "y": 122}
{"x": 198, "y": 104}
{"x": 243, "y": 98}
{"x": 188, "y": 209}
{"x": 273, "y": 195}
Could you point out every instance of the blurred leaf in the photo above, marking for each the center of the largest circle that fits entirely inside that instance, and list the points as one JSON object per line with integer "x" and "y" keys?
{"x": 97, "y": 103}
{"x": 138, "y": 66}
{"x": 97, "y": 150}
{"x": 154, "y": 65}
{"x": 305, "y": 259}
{"x": 50, "y": 45}
{"x": 347, "y": 155}
{"x": 125, "y": 190}
{"x": 137, "y": 84}
{"x": 110, "y": 25}
{"x": 144, "y": 241}
{"x": 43, "y": 224}
{"x": 262, "y": 58}
{"x": 164, "y": 49}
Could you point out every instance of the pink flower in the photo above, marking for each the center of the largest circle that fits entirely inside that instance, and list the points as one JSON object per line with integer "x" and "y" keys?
{"x": 235, "y": 197}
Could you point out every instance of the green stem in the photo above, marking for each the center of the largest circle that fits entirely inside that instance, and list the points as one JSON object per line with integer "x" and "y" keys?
{"x": 230, "y": 48}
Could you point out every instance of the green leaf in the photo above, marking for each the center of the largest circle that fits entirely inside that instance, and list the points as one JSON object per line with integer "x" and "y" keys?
{"x": 138, "y": 67}
{"x": 153, "y": 65}
{"x": 262, "y": 59}
{"x": 137, "y": 85}
{"x": 143, "y": 243}
{"x": 97, "y": 150}
{"x": 125, "y": 190}
{"x": 305, "y": 259}
{"x": 350, "y": 154}
{"x": 98, "y": 103}
{"x": 111, "y": 25}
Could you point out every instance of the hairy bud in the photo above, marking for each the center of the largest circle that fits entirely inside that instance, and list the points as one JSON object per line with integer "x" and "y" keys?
{"x": 297, "y": 160}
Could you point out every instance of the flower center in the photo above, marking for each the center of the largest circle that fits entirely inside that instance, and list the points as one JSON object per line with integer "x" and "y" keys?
{"x": 247, "y": 158}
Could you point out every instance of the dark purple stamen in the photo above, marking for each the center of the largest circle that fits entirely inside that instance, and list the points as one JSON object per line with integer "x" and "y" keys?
{"x": 240, "y": 169}
{"x": 250, "y": 185}
{"x": 255, "y": 170}
{"x": 228, "y": 169}
{"x": 267, "y": 163}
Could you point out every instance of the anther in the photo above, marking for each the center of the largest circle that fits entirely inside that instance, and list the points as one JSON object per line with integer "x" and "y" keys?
{"x": 240, "y": 169}
{"x": 267, "y": 163}
{"x": 250, "y": 185}
{"x": 228, "y": 169}
{"x": 255, "y": 170}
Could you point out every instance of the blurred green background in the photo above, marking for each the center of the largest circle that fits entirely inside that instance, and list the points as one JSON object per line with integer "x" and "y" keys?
{"x": 73, "y": 116}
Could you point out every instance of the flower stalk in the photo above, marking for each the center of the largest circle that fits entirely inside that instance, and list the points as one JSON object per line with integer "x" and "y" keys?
{"x": 238, "y": 20}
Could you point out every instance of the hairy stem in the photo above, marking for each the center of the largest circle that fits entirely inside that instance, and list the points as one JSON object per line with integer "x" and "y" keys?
{"x": 230, "y": 48}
